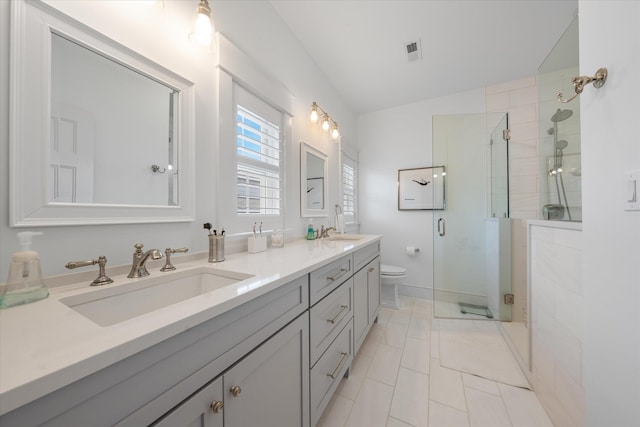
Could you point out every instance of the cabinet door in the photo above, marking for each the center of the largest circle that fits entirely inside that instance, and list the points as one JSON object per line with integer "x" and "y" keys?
{"x": 373, "y": 288}
{"x": 270, "y": 386}
{"x": 203, "y": 409}
{"x": 360, "y": 307}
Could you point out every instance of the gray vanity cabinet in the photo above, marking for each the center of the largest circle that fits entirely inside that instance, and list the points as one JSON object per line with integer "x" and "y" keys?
{"x": 269, "y": 388}
{"x": 366, "y": 292}
{"x": 343, "y": 306}
{"x": 274, "y": 361}
{"x": 141, "y": 389}
{"x": 373, "y": 289}
{"x": 203, "y": 409}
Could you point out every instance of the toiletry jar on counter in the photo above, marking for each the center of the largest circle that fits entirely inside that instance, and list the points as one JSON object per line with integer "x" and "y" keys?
{"x": 257, "y": 244}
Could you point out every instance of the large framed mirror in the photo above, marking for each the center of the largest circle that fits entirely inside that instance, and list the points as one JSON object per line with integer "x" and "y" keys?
{"x": 314, "y": 188}
{"x": 99, "y": 134}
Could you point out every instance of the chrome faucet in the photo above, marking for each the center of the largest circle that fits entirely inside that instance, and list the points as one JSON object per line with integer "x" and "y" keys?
{"x": 324, "y": 232}
{"x": 138, "y": 268}
{"x": 102, "y": 278}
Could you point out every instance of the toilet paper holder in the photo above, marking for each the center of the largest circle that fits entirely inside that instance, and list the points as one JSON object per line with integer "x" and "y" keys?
{"x": 412, "y": 250}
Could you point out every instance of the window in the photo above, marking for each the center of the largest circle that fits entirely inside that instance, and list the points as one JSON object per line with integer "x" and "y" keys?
{"x": 255, "y": 129}
{"x": 349, "y": 187}
{"x": 259, "y": 157}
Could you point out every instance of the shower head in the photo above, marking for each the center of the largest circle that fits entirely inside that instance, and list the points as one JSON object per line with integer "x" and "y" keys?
{"x": 561, "y": 115}
{"x": 562, "y": 144}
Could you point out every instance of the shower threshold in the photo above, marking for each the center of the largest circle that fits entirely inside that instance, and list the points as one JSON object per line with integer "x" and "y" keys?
{"x": 479, "y": 310}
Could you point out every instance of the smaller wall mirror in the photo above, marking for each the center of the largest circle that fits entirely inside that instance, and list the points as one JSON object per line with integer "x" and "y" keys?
{"x": 313, "y": 182}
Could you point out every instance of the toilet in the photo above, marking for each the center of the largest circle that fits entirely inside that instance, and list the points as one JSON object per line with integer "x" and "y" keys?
{"x": 390, "y": 277}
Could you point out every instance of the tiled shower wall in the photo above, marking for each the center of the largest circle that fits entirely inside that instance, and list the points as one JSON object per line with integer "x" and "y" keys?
{"x": 557, "y": 317}
{"x": 520, "y": 99}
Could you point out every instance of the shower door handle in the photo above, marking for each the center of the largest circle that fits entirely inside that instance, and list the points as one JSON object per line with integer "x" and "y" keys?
{"x": 441, "y": 227}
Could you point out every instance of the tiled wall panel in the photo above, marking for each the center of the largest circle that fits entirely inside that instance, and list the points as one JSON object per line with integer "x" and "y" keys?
{"x": 557, "y": 316}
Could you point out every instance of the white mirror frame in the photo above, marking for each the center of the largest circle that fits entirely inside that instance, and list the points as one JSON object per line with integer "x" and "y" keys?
{"x": 306, "y": 212}
{"x": 32, "y": 23}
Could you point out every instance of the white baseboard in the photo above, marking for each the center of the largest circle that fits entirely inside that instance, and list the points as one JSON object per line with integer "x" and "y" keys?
{"x": 415, "y": 291}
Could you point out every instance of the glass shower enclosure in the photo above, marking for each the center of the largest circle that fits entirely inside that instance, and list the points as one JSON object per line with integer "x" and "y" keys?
{"x": 472, "y": 240}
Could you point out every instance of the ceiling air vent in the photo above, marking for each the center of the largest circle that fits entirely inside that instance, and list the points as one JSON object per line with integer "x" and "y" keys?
{"x": 414, "y": 50}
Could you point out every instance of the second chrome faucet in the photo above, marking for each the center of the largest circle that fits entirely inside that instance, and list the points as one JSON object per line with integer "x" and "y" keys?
{"x": 138, "y": 267}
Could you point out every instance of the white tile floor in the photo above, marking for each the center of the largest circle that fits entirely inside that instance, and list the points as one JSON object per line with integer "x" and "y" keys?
{"x": 397, "y": 381}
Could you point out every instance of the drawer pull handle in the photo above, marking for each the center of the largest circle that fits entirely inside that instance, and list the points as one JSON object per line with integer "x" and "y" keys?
{"x": 235, "y": 390}
{"x": 339, "y": 274}
{"x": 342, "y": 308}
{"x": 335, "y": 371}
{"x": 371, "y": 269}
{"x": 216, "y": 406}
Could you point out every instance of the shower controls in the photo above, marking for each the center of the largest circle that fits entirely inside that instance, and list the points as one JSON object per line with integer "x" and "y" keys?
{"x": 631, "y": 182}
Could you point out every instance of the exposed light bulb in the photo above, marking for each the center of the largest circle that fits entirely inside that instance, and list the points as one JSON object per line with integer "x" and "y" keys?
{"x": 435, "y": 175}
{"x": 559, "y": 170}
{"x": 335, "y": 133}
{"x": 203, "y": 26}
{"x": 325, "y": 123}
{"x": 169, "y": 167}
{"x": 444, "y": 173}
{"x": 314, "y": 112}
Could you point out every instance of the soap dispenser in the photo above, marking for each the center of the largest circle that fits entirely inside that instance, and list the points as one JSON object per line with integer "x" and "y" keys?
{"x": 25, "y": 283}
{"x": 310, "y": 232}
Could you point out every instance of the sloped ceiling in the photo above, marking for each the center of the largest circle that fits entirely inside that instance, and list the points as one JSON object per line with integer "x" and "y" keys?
{"x": 360, "y": 44}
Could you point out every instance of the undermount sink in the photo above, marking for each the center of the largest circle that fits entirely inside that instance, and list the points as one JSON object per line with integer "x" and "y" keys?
{"x": 111, "y": 305}
{"x": 346, "y": 237}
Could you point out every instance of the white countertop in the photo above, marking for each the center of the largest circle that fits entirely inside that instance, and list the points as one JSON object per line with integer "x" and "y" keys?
{"x": 46, "y": 345}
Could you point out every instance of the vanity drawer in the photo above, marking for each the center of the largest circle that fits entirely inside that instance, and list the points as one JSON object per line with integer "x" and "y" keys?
{"x": 328, "y": 318}
{"x": 329, "y": 370}
{"x": 325, "y": 279}
{"x": 364, "y": 255}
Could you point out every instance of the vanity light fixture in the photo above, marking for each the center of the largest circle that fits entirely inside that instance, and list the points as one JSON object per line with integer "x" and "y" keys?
{"x": 203, "y": 25}
{"x": 335, "y": 134}
{"x": 314, "y": 112}
{"x": 327, "y": 123}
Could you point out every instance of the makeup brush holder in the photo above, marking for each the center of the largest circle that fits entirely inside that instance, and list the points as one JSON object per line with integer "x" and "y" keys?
{"x": 216, "y": 248}
{"x": 257, "y": 244}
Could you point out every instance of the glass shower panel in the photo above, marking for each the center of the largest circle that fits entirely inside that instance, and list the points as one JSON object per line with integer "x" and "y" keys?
{"x": 559, "y": 132}
{"x": 499, "y": 170}
{"x": 472, "y": 263}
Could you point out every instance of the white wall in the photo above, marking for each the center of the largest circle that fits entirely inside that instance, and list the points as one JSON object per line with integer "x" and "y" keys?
{"x": 400, "y": 138}
{"x": 610, "y": 129}
{"x": 161, "y": 35}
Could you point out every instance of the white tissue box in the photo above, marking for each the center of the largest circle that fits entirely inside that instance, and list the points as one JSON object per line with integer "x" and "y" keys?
{"x": 257, "y": 244}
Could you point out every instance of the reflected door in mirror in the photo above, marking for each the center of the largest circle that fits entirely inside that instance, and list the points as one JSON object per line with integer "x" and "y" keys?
{"x": 110, "y": 124}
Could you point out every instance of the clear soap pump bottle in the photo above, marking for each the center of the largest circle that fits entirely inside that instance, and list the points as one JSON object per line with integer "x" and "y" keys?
{"x": 25, "y": 283}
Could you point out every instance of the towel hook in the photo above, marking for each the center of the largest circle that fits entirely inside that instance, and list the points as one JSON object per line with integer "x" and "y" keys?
{"x": 581, "y": 81}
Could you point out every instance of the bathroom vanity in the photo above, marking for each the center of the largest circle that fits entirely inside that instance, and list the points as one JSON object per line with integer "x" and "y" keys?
{"x": 267, "y": 347}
